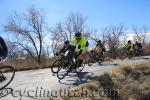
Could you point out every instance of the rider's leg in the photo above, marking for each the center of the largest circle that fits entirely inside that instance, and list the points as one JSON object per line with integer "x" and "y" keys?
{"x": 84, "y": 57}
{"x": 79, "y": 60}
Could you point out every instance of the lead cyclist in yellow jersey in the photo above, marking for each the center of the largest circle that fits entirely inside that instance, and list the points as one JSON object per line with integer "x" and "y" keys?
{"x": 81, "y": 45}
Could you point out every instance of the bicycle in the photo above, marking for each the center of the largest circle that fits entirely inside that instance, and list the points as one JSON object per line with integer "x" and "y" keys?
{"x": 7, "y": 74}
{"x": 63, "y": 66}
{"x": 124, "y": 52}
{"x": 94, "y": 57}
{"x": 137, "y": 51}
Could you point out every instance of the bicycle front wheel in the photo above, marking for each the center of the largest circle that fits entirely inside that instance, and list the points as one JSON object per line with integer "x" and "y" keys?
{"x": 56, "y": 64}
{"x": 7, "y": 74}
{"x": 63, "y": 70}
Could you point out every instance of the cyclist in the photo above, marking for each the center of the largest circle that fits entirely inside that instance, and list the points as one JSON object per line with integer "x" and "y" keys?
{"x": 128, "y": 48}
{"x": 138, "y": 48}
{"x": 3, "y": 49}
{"x": 68, "y": 50}
{"x": 129, "y": 45}
{"x": 139, "y": 45}
{"x": 3, "y": 54}
{"x": 99, "y": 49}
{"x": 81, "y": 45}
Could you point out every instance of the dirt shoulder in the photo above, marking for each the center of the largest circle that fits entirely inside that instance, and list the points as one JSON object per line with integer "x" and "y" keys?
{"x": 126, "y": 82}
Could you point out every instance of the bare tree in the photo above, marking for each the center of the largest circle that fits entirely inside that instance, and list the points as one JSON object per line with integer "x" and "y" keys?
{"x": 57, "y": 35}
{"x": 98, "y": 36}
{"x": 73, "y": 23}
{"x": 28, "y": 30}
{"x": 112, "y": 36}
{"x": 140, "y": 33}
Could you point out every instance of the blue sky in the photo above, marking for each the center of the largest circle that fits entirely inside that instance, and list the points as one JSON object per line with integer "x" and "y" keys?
{"x": 100, "y": 13}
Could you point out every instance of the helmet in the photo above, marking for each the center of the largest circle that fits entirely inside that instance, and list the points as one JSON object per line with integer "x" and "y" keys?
{"x": 66, "y": 42}
{"x": 78, "y": 34}
{"x": 129, "y": 41}
{"x": 99, "y": 41}
{"x": 136, "y": 42}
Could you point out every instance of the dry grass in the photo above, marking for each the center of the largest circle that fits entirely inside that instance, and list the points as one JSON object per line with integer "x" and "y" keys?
{"x": 133, "y": 82}
{"x": 87, "y": 91}
{"x": 147, "y": 50}
{"x": 128, "y": 82}
{"x": 29, "y": 64}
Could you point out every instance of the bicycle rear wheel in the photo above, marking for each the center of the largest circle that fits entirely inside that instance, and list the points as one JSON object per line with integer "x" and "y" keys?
{"x": 7, "y": 74}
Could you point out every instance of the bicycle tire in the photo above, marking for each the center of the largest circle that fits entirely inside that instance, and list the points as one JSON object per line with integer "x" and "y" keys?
{"x": 2, "y": 84}
{"x": 66, "y": 71}
{"x": 55, "y": 65}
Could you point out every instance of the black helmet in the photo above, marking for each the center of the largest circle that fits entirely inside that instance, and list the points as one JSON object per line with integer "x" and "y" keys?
{"x": 136, "y": 42}
{"x": 129, "y": 41}
{"x": 66, "y": 42}
{"x": 99, "y": 41}
{"x": 78, "y": 34}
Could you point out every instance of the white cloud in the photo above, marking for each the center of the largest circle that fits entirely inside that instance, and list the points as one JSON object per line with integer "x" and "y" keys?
{"x": 132, "y": 36}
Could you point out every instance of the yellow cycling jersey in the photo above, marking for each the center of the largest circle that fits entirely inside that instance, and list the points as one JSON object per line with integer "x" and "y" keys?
{"x": 128, "y": 45}
{"x": 81, "y": 43}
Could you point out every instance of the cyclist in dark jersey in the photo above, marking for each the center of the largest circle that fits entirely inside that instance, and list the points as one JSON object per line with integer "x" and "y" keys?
{"x": 67, "y": 49}
{"x": 138, "y": 49}
{"x": 3, "y": 54}
{"x": 3, "y": 49}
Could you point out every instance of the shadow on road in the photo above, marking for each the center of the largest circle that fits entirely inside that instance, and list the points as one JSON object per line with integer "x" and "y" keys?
{"x": 77, "y": 78}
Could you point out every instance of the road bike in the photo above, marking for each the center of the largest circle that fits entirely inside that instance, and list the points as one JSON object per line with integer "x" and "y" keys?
{"x": 63, "y": 66}
{"x": 124, "y": 52}
{"x": 95, "y": 57}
